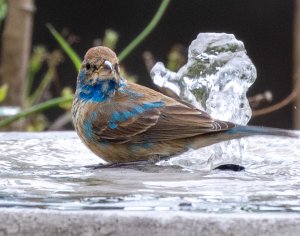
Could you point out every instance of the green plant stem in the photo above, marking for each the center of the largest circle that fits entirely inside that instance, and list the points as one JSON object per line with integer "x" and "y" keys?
{"x": 34, "y": 109}
{"x": 66, "y": 47}
{"x": 36, "y": 61}
{"x": 153, "y": 23}
{"x": 42, "y": 87}
{"x": 3, "y": 11}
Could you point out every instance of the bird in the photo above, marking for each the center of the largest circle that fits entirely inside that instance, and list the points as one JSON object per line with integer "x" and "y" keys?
{"x": 122, "y": 122}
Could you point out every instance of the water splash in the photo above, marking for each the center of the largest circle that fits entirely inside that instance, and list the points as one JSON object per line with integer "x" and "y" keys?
{"x": 215, "y": 79}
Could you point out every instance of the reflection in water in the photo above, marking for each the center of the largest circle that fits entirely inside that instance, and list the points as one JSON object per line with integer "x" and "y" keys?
{"x": 47, "y": 170}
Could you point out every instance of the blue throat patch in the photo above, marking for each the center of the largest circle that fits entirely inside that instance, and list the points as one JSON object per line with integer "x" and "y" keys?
{"x": 98, "y": 92}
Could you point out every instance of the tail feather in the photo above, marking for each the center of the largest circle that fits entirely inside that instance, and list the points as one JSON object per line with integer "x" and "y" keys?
{"x": 239, "y": 131}
{"x": 256, "y": 130}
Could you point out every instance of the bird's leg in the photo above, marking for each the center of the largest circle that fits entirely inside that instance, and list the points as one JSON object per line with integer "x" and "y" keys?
{"x": 118, "y": 165}
{"x": 156, "y": 158}
{"x": 149, "y": 161}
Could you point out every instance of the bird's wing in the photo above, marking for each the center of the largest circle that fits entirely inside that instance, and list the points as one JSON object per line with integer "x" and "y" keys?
{"x": 179, "y": 121}
{"x": 159, "y": 119}
{"x": 125, "y": 126}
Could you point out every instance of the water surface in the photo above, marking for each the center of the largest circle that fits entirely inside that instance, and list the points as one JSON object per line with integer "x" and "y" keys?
{"x": 48, "y": 170}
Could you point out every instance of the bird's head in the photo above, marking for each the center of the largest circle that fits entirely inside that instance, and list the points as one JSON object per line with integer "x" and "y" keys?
{"x": 99, "y": 75}
{"x": 100, "y": 64}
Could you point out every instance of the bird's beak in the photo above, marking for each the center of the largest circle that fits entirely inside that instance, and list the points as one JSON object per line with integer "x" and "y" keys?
{"x": 107, "y": 65}
{"x": 112, "y": 71}
{"x": 105, "y": 72}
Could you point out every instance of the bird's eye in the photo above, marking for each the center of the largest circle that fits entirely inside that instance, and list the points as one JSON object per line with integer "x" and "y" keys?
{"x": 88, "y": 66}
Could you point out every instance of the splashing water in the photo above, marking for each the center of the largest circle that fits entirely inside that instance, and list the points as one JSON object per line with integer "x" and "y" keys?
{"x": 215, "y": 79}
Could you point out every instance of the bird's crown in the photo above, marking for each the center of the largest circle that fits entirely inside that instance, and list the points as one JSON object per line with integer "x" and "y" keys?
{"x": 101, "y": 52}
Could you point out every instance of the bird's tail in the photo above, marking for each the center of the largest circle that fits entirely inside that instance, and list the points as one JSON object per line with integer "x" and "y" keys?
{"x": 245, "y": 131}
{"x": 240, "y": 131}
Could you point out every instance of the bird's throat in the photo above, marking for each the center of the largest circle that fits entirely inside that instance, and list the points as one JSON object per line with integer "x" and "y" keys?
{"x": 98, "y": 92}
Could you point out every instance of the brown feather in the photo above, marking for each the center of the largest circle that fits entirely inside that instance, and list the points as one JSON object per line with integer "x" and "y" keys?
{"x": 174, "y": 121}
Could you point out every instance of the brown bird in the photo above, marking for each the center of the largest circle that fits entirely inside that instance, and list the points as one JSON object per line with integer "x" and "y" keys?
{"x": 121, "y": 121}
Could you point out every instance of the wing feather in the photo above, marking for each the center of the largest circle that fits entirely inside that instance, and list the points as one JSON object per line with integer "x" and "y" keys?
{"x": 174, "y": 120}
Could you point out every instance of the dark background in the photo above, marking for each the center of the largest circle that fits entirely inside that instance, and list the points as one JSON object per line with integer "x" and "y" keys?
{"x": 265, "y": 27}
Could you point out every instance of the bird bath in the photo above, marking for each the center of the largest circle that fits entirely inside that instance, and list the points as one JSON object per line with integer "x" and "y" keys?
{"x": 49, "y": 186}
{"x": 46, "y": 188}
{"x": 48, "y": 171}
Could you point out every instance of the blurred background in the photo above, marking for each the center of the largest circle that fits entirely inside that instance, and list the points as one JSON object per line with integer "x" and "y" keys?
{"x": 268, "y": 29}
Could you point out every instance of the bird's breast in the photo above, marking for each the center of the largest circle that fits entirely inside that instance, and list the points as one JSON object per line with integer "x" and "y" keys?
{"x": 83, "y": 116}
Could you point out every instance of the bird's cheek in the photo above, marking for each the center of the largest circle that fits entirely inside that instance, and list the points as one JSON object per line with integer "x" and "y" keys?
{"x": 92, "y": 79}
{"x": 105, "y": 74}
{"x": 116, "y": 78}
{"x": 82, "y": 76}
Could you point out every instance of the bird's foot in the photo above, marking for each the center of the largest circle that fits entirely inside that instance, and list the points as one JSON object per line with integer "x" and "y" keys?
{"x": 118, "y": 165}
{"x": 150, "y": 160}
